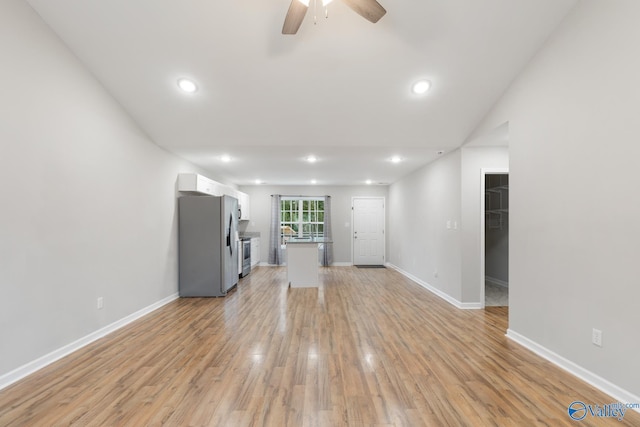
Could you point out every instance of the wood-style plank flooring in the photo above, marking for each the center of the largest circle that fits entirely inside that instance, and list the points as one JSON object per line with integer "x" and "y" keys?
{"x": 367, "y": 348}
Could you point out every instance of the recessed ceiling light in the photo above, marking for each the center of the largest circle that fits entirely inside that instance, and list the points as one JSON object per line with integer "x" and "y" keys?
{"x": 313, "y": 181}
{"x": 258, "y": 181}
{"x": 421, "y": 87}
{"x": 311, "y": 159}
{"x": 369, "y": 182}
{"x": 396, "y": 159}
{"x": 187, "y": 85}
{"x": 225, "y": 158}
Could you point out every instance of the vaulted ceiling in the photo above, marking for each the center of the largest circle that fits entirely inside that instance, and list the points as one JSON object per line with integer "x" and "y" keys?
{"x": 340, "y": 89}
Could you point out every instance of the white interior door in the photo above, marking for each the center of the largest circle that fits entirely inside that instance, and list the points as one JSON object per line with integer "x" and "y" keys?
{"x": 368, "y": 231}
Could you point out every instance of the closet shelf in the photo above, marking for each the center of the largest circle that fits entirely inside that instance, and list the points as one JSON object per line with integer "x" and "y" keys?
{"x": 497, "y": 201}
{"x": 497, "y": 189}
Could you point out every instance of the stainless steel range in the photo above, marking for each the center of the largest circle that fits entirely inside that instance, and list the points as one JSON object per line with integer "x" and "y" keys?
{"x": 245, "y": 255}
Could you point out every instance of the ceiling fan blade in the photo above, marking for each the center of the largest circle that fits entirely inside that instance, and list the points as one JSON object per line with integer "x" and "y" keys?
{"x": 294, "y": 17}
{"x": 370, "y": 10}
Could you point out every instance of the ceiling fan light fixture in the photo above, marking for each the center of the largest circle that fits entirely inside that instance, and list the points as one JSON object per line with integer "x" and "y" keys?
{"x": 187, "y": 85}
{"x": 370, "y": 10}
{"x": 421, "y": 87}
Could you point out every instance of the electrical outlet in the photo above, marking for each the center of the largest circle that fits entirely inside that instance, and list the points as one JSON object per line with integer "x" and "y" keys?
{"x": 596, "y": 337}
{"x": 100, "y": 303}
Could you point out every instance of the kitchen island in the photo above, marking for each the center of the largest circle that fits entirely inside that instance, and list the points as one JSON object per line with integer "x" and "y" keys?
{"x": 302, "y": 262}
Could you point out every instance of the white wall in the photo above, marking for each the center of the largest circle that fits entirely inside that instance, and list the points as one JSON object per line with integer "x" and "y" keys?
{"x": 340, "y": 209}
{"x": 419, "y": 207}
{"x": 574, "y": 199}
{"x": 88, "y": 206}
{"x": 474, "y": 159}
{"x": 421, "y": 204}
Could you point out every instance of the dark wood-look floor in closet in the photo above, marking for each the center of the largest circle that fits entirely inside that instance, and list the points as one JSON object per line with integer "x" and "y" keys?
{"x": 367, "y": 348}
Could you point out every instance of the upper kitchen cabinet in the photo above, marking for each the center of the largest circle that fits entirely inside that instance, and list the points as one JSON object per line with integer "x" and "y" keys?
{"x": 244, "y": 204}
{"x": 194, "y": 183}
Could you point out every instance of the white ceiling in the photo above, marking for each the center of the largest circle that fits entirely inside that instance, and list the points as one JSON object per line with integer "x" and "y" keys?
{"x": 339, "y": 89}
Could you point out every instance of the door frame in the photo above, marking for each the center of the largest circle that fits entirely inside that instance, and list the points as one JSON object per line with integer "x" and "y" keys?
{"x": 483, "y": 174}
{"x": 384, "y": 222}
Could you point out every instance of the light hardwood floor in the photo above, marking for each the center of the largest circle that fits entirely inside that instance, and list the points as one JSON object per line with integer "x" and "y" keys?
{"x": 367, "y": 348}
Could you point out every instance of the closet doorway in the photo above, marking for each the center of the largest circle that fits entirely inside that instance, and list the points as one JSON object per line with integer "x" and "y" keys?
{"x": 495, "y": 242}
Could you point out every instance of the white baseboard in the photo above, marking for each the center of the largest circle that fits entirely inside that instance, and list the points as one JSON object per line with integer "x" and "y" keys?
{"x": 470, "y": 306}
{"x": 335, "y": 264}
{"x": 496, "y": 281}
{"x": 438, "y": 292}
{"x": 35, "y": 365}
{"x": 617, "y": 393}
{"x": 266, "y": 264}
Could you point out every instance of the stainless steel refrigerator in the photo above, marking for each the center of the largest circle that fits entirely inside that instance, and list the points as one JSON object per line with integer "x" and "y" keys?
{"x": 207, "y": 245}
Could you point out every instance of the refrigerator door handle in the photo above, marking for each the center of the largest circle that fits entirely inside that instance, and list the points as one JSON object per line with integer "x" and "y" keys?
{"x": 229, "y": 235}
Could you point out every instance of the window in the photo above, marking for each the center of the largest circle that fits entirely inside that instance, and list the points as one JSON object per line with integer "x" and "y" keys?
{"x": 301, "y": 217}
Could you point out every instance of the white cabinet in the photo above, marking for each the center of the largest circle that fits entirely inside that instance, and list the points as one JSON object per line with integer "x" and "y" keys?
{"x": 245, "y": 206}
{"x": 302, "y": 265}
{"x": 192, "y": 182}
{"x": 255, "y": 251}
{"x": 243, "y": 202}
{"x": 195, "y": 183}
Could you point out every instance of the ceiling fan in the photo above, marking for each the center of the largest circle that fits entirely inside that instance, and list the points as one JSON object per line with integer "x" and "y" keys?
{"x": 370, "y": 10}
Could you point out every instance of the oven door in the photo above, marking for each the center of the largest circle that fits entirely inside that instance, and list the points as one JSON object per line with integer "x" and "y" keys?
{"x": 246, "y": 257}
